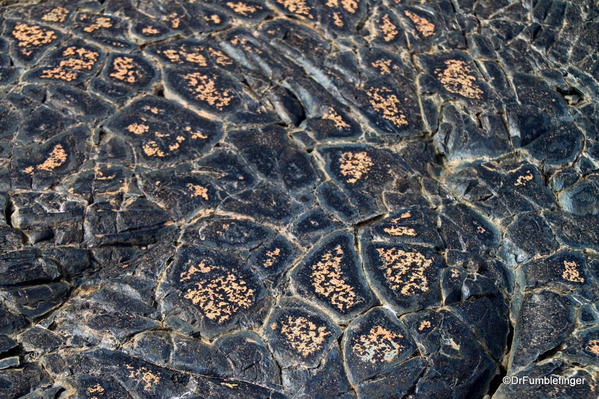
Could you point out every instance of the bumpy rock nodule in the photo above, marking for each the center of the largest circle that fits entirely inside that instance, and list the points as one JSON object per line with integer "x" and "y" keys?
{"x": 298, "y": 199}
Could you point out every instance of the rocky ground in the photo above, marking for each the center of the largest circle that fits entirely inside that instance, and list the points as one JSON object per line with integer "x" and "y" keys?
{"x": 376, "y": 199}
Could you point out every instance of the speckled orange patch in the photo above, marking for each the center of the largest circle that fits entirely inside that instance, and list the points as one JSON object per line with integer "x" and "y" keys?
{"x": 423, "y": 25}
{"x": 198, "y": 191}
{"x": 242, "y": 8}
{"x": 593, "y": 346}
{"x": 32, "y": 35}
{"x": 400, "y": 231}
{"x": 424, "y": 324}
{"x": 378, "y": 345}
{"x": 58, "y": 73}
{"x": 57, "y": 14}
{"x": 383, "y": 65}
{"x": 571, "y": 272}
{"x": 96, "y": 388}
{"x": 303, "y": 335}
{"x": 328, "y": 280}
{"x": 57, "y": 157}
{"x": 338, "y": 19}
{"x": 351, "y": 6}
{"x": 384, "y": 101}
{"x": 151, "y": 148}
{"x": 355, "y": 165}
{"x": 99, "y": 23}
{"x": 271, "y": 257}
{"x": 219, "y": 57}
{"x": 332, "y": 115}
{"x": 125, "y": 69}
{"x": 150, "y": 30}
{"x": 221, "y": 296}
{"x": 404, "y": 270}
{"x": 79, "y": 58}
{"x": 190, "y": 55}
{"x": 205, "y": 89}
{"x": 388, "y": 28}
{"x": 138, "y": 128}
{"x": 457, "y": 77}
{"x": 149, "y": 378}
{"x": 297, "y": 7}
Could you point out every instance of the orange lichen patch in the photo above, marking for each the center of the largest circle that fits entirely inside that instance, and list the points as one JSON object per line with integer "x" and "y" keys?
{"x": 242, "y": 8}
{"x": 215, "y": 18}
{"x": 220, "y": 57}
{"x": 150, "y": 30}
{"x": 386, "y": 102}
{"x": 351, "y": 6}
{"x": 298, "y": 7}
{"x": 383, "y": 65}
{"x": 424, "y": 324}
{"x": 423, "y": 25}
{"x": 457, "y": 77}
{"x": 180, "y": 55}
{"x": 571, "y": 272}
{"x": 355, "y": 165}
{"x": 193, "y": 269}
{"x": 57, "y": 157}
{"x": 521, "y": 180}
{"x": 32, "y": 35}
{"x": 58, "y": 73}
{"x": 338, "y": 20}
{"x": 138, "y": 128}
{"x": 96, "y": 388}
{"x": 388, "y": 28}
{"x": 404, "y": 270}
{"x": 222, "y": 296}
{"x": 145, "y": 376}
{"x": 82, "y": 58}
{"x": 99, "y": 23}
{"x": 57, "y": 14}
{"x": 125, "y": 69}
{"x": 328, "y": 280}
{"x": 332, "y": 115}
{"x": 378, "y": 345}
{"x": 271, "y": 257}
{"x": 174, "y": 19}
{"x": 400, "y": 231}
{"x": 198, "y": 191}
{"x": 204, "y": 88}
{"x": 196, "y": 134}
{"x": 593, "y": 346}
{"x": 303, "y": 335}
{"x": 151, "y": 148}
{"x": 153, "y": 110}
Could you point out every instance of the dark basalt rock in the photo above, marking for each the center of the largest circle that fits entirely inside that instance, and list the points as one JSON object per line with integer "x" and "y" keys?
{"x": 303, "y": 199}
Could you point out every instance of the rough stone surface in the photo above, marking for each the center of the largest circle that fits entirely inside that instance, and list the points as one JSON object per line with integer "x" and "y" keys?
{"x": 299, "y": 199}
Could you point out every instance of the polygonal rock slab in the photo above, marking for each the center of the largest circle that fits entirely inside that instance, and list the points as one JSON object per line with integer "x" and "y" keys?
{"x": 163, "y": 131}
{"x": 331, "y": 276}
{"x": 374, "y": 343}
{"x": 299, "y": 334}
{"x": 213, "y": 291}
{"x": 404, "y": 276}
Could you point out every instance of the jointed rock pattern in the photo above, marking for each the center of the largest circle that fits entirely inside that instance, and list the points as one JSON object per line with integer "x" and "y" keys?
{"x": 303, "y": 199}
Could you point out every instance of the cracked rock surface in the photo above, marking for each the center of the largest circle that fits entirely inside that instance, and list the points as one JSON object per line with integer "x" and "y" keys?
{"x": 298, "y": 199}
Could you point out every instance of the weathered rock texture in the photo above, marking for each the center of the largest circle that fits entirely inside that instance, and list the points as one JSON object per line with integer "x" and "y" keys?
{"x": 300, "y": 199}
